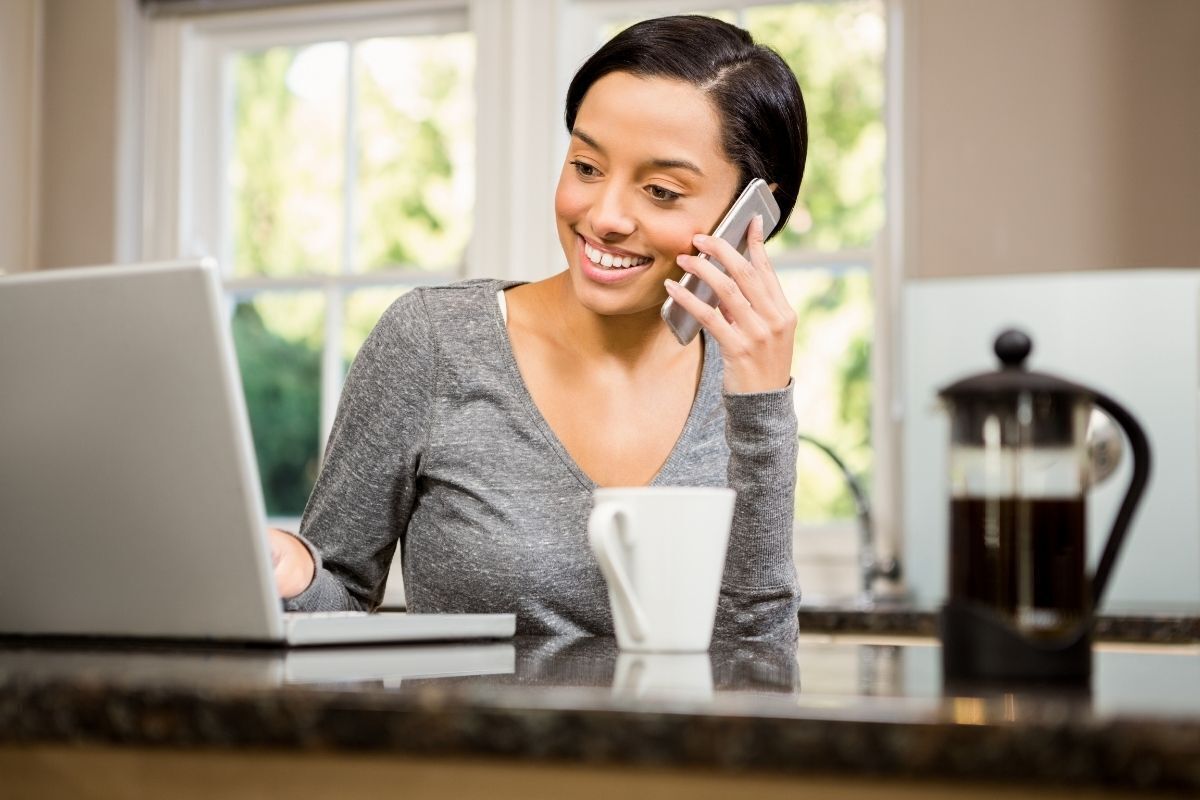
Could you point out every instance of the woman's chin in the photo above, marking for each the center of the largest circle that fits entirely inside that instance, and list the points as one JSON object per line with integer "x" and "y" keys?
{"x": 623, "y": 301}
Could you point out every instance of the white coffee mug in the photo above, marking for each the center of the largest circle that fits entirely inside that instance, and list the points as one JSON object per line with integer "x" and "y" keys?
{"x": 662, "y": 551}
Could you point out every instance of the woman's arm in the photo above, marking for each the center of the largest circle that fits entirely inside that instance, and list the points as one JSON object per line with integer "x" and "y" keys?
{"x": 759, "y": 595}
{"x": 755, "y": 327}
{"x": 364, "y": 495}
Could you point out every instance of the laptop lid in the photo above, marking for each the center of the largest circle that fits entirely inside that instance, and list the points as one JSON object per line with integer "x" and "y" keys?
{"x": 129, "y": 495}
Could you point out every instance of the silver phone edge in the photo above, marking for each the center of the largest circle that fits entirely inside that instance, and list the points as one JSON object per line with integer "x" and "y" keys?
{"x": 683, "y": 324}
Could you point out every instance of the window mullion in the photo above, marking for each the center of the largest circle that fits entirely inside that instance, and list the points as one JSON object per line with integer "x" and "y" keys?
{"x": 331, "y": 361}
{"x": 358, "y": 280}
{"x": 225, "y": 206}
{"x": 350, "y": 154}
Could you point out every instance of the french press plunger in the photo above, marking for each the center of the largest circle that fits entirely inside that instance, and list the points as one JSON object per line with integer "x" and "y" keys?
{"x": 1020, "y": 602}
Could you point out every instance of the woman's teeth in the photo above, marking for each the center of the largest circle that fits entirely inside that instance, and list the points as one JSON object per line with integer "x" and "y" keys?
{"x": 609, "y": 261}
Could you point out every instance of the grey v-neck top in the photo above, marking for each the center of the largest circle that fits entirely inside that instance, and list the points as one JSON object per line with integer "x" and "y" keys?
{"x": 439, "y": 448}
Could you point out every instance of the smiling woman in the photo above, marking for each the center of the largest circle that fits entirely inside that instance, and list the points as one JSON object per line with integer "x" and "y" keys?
{"x": 478, "y": 418}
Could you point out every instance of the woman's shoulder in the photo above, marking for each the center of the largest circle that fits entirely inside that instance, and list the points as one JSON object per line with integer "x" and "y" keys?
{"x": 452, "y": 303}
{"x": 453, "y": 323}
{"x": 463, "y": 294}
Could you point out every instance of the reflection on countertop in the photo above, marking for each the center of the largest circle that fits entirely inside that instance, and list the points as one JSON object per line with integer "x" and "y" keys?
{"x": 825, "y": 703}
{"x": 584, "y": 663}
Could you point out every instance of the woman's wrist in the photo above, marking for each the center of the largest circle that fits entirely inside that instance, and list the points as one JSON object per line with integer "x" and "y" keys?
{"x": 767, "y": 388}
{"x": 295, "y": 564}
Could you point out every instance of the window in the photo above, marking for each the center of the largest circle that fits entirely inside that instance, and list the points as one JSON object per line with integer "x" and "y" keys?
{"x": 346, "y": 176}
{"x": 825, "y": 256}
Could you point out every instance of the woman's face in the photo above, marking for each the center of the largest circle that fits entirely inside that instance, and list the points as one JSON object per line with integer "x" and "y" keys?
{"x": 645, "y": 171}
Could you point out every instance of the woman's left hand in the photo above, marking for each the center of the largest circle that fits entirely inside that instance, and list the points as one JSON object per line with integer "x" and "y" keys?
{"x": 754, "y": 323}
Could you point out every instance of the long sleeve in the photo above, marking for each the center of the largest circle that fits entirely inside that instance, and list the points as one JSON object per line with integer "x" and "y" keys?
{"x": 759, "y": 595}
{"x": 364, "y": 495}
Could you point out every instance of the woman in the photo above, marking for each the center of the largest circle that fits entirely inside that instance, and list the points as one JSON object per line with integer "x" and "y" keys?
{"x": 479, "y": 417}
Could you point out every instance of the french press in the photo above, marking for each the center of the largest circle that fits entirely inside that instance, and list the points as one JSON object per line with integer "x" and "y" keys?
{"x": 1020, "y": 602}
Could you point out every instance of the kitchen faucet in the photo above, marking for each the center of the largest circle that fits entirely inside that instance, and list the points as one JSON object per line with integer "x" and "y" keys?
{"x": 870, "y": 565}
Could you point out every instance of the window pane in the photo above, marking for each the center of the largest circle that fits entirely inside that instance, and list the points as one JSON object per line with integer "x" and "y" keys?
{"x": 832, "y": 368}
{"x": 836, "y": 50}
{"x": 416, "y": 164}
{"x": 363, "y": 309}
{"x": 287, "y": 167}
{"x": 278, "y": 336}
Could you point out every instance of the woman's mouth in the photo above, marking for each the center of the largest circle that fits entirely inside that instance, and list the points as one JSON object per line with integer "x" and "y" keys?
{"x": 601, "y": 259}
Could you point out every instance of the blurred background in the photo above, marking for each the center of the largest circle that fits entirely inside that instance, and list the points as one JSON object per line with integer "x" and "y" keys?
{"x": 333, "y": 155}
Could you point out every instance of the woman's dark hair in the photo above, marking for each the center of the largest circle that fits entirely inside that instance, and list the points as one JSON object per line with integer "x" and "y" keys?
{"x": 764, "y": 128}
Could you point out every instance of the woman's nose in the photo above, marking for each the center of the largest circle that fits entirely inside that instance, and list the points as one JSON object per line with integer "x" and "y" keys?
{"x": 610, "y": 213}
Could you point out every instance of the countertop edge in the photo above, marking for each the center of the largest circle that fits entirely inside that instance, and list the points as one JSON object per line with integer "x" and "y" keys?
{"x": 1123, "y": 752}
{"x": 893, "y": 621}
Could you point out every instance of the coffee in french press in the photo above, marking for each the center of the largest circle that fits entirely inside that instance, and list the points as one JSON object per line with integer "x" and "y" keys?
{"x": 1020, "y": 602}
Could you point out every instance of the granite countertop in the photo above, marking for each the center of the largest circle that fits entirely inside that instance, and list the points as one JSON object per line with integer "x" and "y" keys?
{"x": 1150, "y": 623}
{"x": 826, "y": 705}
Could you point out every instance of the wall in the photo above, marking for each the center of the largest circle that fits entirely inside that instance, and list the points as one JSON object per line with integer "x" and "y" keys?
{"x": 1054, "y": 136}
{"x": 19, "y": 22}
{"x": 1048, "y": 136}
{"x": 78, "y": 213}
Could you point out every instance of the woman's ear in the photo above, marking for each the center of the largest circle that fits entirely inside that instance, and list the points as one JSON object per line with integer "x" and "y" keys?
{"x": 772, "y": 187}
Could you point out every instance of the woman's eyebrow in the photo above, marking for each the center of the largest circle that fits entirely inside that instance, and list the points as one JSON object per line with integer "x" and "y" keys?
{"x": 589, "y": 141}
{"x": 676, "y": 163}
{"x": 660, "y": 163}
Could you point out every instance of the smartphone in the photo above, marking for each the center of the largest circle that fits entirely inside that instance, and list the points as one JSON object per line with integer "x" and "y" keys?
{"x": 755, "y": 199}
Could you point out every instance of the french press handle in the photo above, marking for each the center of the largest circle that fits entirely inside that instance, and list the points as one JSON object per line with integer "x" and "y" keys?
{"x": 1133, "y": 495}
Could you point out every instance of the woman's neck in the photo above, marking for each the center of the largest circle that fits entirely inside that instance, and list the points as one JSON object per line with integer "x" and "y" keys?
{"x": 633, "y": 340}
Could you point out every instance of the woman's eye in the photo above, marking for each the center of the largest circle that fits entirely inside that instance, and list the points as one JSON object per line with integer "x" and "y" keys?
{"x": 584, "y": 169}
{"x": 659, "y": 193}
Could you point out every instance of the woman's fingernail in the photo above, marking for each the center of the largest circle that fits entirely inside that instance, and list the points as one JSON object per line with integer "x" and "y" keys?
{"x": 699, "y": 238}
{"x": 671, "y": 285}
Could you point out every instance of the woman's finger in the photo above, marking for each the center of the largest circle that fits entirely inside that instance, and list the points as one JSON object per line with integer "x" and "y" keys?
{"x": 714, "y": 320}
{"x": 754, "y": 273}
{"x": 738, "y": 309}
{"x": 743, "y": 272}
{"x": 747, "y": 276}
{"x": 757, "y": 250}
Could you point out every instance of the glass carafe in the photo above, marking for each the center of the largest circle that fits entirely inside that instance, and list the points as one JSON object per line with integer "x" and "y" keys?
{"x": 1020, "y": 598}
{"x": 1018, "y": 509}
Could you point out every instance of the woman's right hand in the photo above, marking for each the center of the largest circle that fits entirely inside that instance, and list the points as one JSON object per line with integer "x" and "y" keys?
{"x": 293, "y": 563}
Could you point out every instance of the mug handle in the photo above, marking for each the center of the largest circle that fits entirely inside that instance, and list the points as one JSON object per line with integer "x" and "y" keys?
{"x": 604, "y": 525}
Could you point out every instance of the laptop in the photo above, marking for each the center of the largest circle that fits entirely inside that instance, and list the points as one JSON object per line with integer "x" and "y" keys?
{"x": 130, "y": 504}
